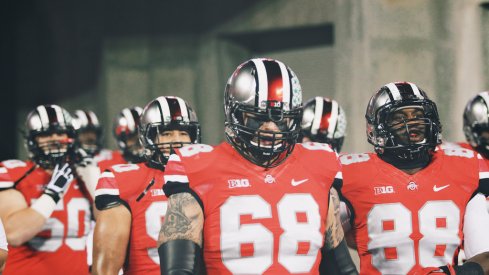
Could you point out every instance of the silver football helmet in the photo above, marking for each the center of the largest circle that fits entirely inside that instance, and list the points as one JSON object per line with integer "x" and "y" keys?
{"x": 476, "y": 122}
{"x": 125, "y": 130}
{"x": 166, "y": 113}
{"x": 324, "y": 121}
{"x": 88, "y": 130}
{"x": 392, "y": 134}
{"x": 261, "y": 91}
{"x": 43, "y": 122}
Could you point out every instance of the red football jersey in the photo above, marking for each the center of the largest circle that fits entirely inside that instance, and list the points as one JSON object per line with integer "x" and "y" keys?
{"x": 60, "y": 247}
{"x": 259, "y": 221}
{"x": 448, "y": 145}
{"x": 106, "y": 158}
{"x": 130, "y": 182}
{"x": 486, "y": 161}
{"x": 404, "y": 222}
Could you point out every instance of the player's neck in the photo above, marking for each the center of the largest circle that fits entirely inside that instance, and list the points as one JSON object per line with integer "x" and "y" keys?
{"x": 408, "y": 166}
{"x": 412, "y": 171}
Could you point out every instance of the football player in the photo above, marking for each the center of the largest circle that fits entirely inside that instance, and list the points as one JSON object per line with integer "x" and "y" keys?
{"x": 125, "y": 130}
{"x": 45, "y": 210}
{"x": 476, "y": 126}
{"x": 130, "y": 196}
{"x": 3, "y": 247}
{"x": 126, "y": 125}
{"x": 412, "y": 206}
{"x": 323, "y": 121}
{"x": 89, "y": 131}
{"x": 258, "y": 203}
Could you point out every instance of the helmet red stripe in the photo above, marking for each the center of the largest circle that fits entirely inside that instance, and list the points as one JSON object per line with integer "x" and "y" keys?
{"x": 326, "y": 115}
{"x": 275, "y": 81}
{"x": 175, "y": 110}
{"x": 53, "y": 117}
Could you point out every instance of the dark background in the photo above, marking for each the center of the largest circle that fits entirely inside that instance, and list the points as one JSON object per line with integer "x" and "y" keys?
{"x": 51, "y": 50}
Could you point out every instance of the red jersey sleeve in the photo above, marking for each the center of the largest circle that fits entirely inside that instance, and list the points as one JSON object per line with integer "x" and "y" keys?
{"x": 107, "y": 194}
{"x": 14, "y": 171}
{"x": 176, "y": 179}
{"x": 483, "y": 175}
{"x": 5, "y": 181}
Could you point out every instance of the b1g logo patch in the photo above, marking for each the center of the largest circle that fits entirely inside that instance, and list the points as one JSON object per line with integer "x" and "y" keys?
{"x": 378, "y": 190}
{"x": 235, "y": 183}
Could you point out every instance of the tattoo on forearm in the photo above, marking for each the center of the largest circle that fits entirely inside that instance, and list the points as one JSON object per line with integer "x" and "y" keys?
{"x": 329, "y": 241}
{"x": 334, "y": 231}
{"x": 183, "y": 220}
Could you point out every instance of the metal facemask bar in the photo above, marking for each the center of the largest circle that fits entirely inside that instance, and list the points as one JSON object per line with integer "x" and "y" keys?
{"x": 155, "y": 150}
{"x": 262, "y": 147}
{"x": 54, "y": 152}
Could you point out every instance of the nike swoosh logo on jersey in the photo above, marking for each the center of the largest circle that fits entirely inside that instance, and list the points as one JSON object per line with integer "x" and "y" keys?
{"x": 436, "y": 189}
{"x": 295, "y": 183}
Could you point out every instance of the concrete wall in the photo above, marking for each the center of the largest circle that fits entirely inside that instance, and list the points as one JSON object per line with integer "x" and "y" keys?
{"x": 196, "y": 67}
{"x": 436, "y": 44}
{"x": 442, "y": 45}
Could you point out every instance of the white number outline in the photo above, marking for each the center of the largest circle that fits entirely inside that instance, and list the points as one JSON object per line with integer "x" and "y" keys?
{"x": 153, "y": 221}
{"x": 233, "y": 233}
{"x": 126, "y": 167}
{"x": 57, "y": 228}
{"x": 427, "y": 216}
{"x": 194, "y": 149}
{"x": 316, "y": 146}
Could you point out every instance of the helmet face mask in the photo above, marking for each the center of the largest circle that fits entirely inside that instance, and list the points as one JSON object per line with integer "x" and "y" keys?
{"x": 89, "y": 140}
{"x": 263, "y": 109}
{"x": 50, "y": 136}
{"x": 403, "y": 123}
{"x": 167, "y": 123}
{"x": 481, "y": 138}
{"x": 261, "y": 145}
{"x": 165, "y": 138}
{"x": 131, "y": 148}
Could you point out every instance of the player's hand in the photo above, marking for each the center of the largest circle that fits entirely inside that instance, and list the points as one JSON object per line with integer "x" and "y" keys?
{"x": 429, "y": 270}
{"x": 89, "y": 172}
{"x": 447, "y": 269}
{"x": 83, "y": 159}
{"x": 60, "y": 181}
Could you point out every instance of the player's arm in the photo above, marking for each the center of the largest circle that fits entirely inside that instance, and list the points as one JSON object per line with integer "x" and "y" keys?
{"x": 181, "y": 234}
{"x": 22, "y": 222}
{"x": 476, "y": 239}
{"x": 336, "y": 258}
{"x": 112, "y": 228}
{"x": 3, "y": 247}
{"x": 110, "y": 239}
{"x": 88, "y": 171}
{"x": 3, "y": 259}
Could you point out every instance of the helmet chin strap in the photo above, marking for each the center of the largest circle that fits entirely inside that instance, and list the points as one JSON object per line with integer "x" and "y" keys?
{"x": 483, "y": 150}
{"x": 129, "y": 155}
